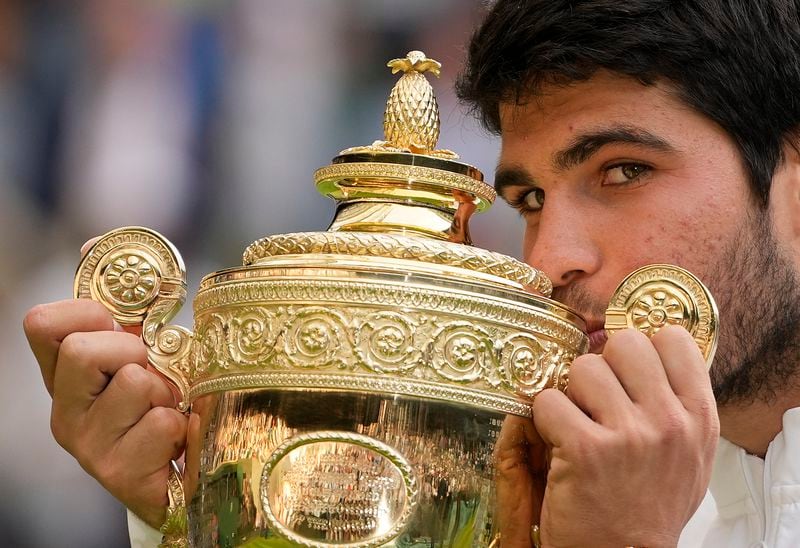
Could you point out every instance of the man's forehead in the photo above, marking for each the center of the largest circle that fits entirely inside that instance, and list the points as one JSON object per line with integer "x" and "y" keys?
{"x": 605, "y": 94}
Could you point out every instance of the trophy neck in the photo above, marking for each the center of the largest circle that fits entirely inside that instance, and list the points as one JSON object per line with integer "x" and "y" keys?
{"x": 397, "y": 218}
{"x": 404, "y": 193}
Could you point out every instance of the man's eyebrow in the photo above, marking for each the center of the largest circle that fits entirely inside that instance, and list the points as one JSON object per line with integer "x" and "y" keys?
{"x": 510, "y": 176}
{"x": 584, "y": 146}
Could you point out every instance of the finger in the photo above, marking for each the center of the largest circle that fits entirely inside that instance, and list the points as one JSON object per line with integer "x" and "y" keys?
{"x": 139, "y": 463}
{"x": 86, "y": 363}
{"x": 557, "y": 419}
{"x": 519, "y": 448}
{"x": 46, "y": 326}
{"x": 595, "y": 389}
{"x": 520, "y": 472}
{"x": 156, "y": 439}
{"x": 684, "y": 365}
{"x": 132, "y": 392}
{"x": 176, "y": 392}
{"x": 88, "y": 245}
{"x": 637, "y": 365}
{"x": 517, "y": 432}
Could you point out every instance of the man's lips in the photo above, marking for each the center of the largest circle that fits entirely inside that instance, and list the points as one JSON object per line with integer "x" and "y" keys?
{"x": 597, "y": 338}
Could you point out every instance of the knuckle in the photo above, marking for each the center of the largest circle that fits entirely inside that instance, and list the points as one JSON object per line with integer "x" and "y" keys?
{"x": 92, "y": 312}
{"x": 706, "y": 409}
{"x": 712, "y": 428}
{"x": 169, "y": 423}
{"x": 587, "y": 447}
{"x": 110, "y": 472}
{"x": 625, "y": 339}
{"x": 61, "y": 433}
{"x": 74, "y": 348}
{"x": 97, "y": 468}
{"x": 72, "y": 439}
{"x": 131, "y": 348}
{"x": 705, "y": 414}
{"x": 131, "y": 379}
{"x": 545, "y": 398}
{"x": 138, "y": 349}
{"x": 673, "y": 426}
{"x": 37, "y": 320}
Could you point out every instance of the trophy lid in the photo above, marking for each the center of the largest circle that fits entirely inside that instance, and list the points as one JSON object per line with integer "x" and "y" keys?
{"x": 402, "y": 199}
{"x": 406, "y": 165}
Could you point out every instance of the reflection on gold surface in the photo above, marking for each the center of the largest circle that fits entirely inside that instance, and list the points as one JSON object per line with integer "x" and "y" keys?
{"x": 338, "y": 487}
{"x": 439, "y": 454}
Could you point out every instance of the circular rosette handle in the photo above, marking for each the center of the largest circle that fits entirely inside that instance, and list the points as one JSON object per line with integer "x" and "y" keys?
{"x": 139, "y": 276}
{"x": 658, "y": 295}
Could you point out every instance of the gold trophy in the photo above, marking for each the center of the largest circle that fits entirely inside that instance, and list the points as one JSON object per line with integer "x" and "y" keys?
{"x": 347, "y": 387}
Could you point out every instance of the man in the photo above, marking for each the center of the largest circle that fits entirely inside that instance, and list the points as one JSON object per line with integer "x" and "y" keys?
{"x": 632, "y": 132}
{"x": 646, "y": 131}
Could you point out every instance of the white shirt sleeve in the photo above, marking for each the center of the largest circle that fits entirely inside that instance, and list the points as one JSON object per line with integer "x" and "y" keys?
{"x": 141, "y": 534}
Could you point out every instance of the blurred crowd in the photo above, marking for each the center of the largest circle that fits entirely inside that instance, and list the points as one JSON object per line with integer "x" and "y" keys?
{"x": 204, "y": 120}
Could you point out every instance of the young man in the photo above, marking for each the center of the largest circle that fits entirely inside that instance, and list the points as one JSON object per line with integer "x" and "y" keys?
{"x": 632, "y": 132}
{"x": 658, "y": 131}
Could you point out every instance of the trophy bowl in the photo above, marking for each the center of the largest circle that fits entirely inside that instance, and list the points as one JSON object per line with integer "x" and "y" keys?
{"x": 347, "y": 388}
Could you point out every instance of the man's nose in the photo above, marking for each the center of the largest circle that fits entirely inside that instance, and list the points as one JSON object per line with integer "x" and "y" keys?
{"x": 562, "y": 244}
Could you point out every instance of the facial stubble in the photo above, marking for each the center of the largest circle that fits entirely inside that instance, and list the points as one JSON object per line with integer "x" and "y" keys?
{"x": 758, "y": 294}
{"x": 757, "y": 291}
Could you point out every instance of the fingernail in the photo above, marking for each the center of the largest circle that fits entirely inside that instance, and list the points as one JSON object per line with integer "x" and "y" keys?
{"x": 89, "y": 243}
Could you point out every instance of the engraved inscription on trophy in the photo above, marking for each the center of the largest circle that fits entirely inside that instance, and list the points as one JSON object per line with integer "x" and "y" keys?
{"x": 337, "y": 489}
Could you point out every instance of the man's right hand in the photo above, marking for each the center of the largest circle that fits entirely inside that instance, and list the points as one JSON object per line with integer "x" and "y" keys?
{"x": 111, "y": 412}
{"x": 623, "y": 458}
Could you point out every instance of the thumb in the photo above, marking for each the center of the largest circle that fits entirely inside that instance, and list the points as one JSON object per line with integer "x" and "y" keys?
{"x": 520, "y": 467}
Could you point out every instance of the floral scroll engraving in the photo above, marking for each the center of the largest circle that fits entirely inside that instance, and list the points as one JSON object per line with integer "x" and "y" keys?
{"x": 385, "y": 342}
{"x": 411, "y": 345}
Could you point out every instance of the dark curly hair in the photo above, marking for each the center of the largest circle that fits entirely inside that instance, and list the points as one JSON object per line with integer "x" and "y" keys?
{"x": 735, "y": 61}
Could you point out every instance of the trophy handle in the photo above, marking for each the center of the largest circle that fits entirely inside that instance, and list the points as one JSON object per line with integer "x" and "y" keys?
{"x": 658, "y": 295}
{"x": 176, "y": 525}
{"x": 139, "y": 276}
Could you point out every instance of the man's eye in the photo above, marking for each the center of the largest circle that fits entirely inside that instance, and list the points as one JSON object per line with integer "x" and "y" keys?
{"x": 532, "y": 201}
{"x": 624, "y": 173}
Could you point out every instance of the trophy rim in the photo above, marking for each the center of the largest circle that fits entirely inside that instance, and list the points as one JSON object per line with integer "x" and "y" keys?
{"x": 411, "y": 159}
{"x": 298, "y": 267}
{"x": 417, "y": 254}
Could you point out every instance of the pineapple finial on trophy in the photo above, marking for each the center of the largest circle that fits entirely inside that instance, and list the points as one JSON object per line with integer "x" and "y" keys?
{"x": 411, "y": 118}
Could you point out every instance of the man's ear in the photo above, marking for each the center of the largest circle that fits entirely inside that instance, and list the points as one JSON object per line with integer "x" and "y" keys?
{"x": 784, "y": 199}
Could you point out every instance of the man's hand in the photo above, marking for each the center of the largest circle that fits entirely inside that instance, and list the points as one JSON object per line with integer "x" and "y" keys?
{"x": 630, "y": 447}
{"x": 116, "y": 417}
